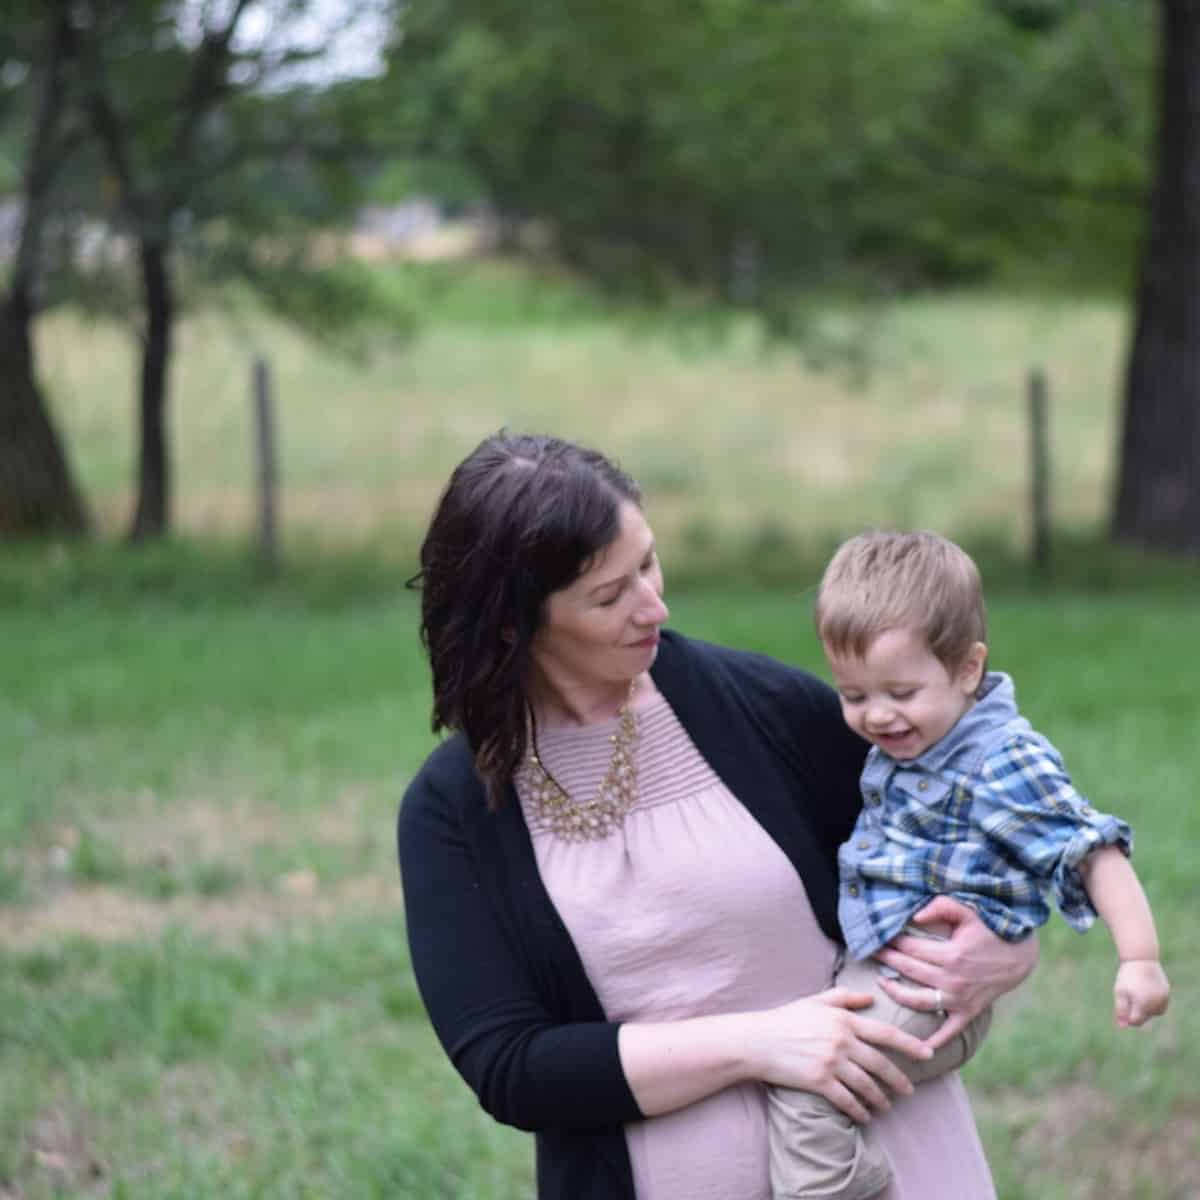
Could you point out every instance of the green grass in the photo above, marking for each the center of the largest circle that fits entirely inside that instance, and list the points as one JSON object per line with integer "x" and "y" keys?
{"x": 752, "y": 457}
{"x": 204, "y": 989}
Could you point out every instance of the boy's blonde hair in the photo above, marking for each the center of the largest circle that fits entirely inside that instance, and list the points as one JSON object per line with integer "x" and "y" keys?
{"x": 920, "y": 582}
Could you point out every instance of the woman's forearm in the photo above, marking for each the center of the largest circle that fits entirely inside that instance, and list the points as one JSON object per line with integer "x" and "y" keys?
{"x": 817, "y": 1044}
{"x": 673, "y": 1064}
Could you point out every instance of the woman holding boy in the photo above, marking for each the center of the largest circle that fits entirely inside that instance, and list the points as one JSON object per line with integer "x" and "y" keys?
{"x": 620, "y": 870}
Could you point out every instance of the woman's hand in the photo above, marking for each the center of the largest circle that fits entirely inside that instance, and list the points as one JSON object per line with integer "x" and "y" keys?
{"x": 820, "y": 1044}
{"x": 963, "y": 975}
{"x": 817, "y": 1044}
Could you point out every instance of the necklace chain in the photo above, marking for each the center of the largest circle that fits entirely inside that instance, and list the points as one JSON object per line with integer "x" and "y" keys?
{"x": 588, "y": 820}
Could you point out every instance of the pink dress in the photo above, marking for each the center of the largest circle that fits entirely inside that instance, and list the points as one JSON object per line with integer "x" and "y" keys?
{"x": 690, "y": 908}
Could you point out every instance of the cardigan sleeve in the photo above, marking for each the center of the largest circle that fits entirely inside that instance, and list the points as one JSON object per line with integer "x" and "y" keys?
{"x": 834, "y": 755}
{"x": 527, "y": 1069}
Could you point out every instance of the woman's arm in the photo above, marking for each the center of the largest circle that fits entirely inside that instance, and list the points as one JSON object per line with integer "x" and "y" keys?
{"x": 817, "y": 1044}
{"x": 526, "y": 1069}
{"x": 970, "y": 970}
{"x": 534, "y": 1072}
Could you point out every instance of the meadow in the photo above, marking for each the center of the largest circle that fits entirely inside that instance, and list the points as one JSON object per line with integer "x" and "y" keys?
{"x": 204, "y": 986}
{"x": 913, "y": 412}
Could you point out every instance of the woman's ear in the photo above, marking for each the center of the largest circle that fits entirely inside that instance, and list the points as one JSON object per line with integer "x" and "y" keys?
{"x": 970, "y": 674}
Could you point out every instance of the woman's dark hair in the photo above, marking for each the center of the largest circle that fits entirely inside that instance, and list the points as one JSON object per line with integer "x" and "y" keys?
{"x": 521, "y": 517}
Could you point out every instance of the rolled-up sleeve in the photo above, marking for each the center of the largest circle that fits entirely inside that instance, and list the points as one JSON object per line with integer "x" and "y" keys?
{"x": 1029, "y": 807}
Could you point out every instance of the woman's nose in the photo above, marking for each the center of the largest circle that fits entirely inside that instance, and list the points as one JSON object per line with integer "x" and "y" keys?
{"x": 651, "y": 610}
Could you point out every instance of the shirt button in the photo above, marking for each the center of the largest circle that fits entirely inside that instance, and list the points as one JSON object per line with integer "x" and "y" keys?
{"x": 864, "y": 845}
{"x": 923, "y": 785}
{"x": 873, "y": 797}
{"x": 853, "y": 889}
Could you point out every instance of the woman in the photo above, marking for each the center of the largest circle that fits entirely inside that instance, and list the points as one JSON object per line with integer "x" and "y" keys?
{"x": 619, "y": 873}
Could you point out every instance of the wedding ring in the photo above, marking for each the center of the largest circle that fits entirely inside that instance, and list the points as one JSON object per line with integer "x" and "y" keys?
{"x": 940, "y": 1003}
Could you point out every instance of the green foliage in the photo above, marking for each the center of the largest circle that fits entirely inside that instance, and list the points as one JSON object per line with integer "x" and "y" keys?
{"x": 234, "y": 163}
{"x": 448, "y": 180}
{"x": 339, "y": 304}
{"x": 745, "y": 148}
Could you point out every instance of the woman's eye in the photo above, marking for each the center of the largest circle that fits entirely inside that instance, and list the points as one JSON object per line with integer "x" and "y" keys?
{"x": 609, "y": 601}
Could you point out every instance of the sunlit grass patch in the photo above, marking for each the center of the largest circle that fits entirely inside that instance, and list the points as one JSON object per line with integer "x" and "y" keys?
{"x": 926, "y": 423}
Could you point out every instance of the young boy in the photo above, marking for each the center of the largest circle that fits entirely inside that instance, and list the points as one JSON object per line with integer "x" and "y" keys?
{"x": 961, "y": 798}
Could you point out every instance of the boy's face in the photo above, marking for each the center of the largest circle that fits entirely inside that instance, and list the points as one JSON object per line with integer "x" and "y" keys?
{"x": 900, "y": 697}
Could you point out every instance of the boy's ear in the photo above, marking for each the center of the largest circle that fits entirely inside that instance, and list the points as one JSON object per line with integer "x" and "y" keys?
{"x": 970, "y": 675}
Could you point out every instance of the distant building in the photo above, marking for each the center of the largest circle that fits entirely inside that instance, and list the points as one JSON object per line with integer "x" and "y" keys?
{"x": 419, "y": 230}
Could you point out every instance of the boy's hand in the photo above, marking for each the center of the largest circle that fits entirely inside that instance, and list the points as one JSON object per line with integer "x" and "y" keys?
{"x": 1141, "y": 991}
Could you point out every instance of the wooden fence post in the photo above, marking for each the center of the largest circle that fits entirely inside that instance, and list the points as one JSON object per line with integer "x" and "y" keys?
{"x": 1039, "y": 448}
{"x": 264, "y": 430}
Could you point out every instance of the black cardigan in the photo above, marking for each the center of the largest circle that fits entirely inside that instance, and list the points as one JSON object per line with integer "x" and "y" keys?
{"x": 498, "y": 973}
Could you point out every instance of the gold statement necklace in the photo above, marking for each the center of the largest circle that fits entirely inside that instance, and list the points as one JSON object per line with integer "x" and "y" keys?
{"x": 589, "y": 820}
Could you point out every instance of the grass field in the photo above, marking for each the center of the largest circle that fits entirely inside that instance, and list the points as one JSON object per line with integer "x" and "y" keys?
{"x": 204, "y": 987}
{"x": 917, "y": 417}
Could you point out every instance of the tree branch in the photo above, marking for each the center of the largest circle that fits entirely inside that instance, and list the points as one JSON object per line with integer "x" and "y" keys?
{"x": 339, "y": 152}
{"x": 1051, "y": 187}
{"x": 204, "y": 86}
{"x": 1118, "y": 89}
{"x": 47, "y": 152}
{"x": 105, "y": 120}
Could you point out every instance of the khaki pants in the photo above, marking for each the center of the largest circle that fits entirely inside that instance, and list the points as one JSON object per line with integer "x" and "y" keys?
{"x": 818, "y": 1151}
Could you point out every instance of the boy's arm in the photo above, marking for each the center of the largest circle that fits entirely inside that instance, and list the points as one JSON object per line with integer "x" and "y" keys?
{"x": 1116, "y": 894}
{"x": 1141, "y": 990}
{"x": 1027, "y": 803}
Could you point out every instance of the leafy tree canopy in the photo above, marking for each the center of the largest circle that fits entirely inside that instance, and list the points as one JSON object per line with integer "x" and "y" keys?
{"x": 743, "y": 144}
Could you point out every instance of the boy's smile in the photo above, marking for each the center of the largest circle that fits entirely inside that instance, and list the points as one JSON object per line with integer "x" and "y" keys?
{"x": 900, "y": 697}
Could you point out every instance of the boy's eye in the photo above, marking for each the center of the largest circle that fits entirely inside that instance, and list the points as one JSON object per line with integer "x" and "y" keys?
{"x": 903, "y": 693}
{"x": 851, "y": 699}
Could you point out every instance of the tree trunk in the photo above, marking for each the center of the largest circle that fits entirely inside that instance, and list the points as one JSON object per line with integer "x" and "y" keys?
{"x": 1158, "y": 492}
{"x": 152, "y": 517}
{"x": 37, "y": 494}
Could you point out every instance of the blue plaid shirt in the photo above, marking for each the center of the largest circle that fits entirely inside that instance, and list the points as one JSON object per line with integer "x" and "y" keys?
{"x": 987, "y": 815}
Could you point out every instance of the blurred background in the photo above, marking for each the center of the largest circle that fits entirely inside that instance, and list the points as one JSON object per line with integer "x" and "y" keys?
{"x": 270, "y": 268}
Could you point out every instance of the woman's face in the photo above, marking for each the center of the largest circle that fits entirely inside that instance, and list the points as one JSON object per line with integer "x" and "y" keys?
{"x": 603, "y": 628}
